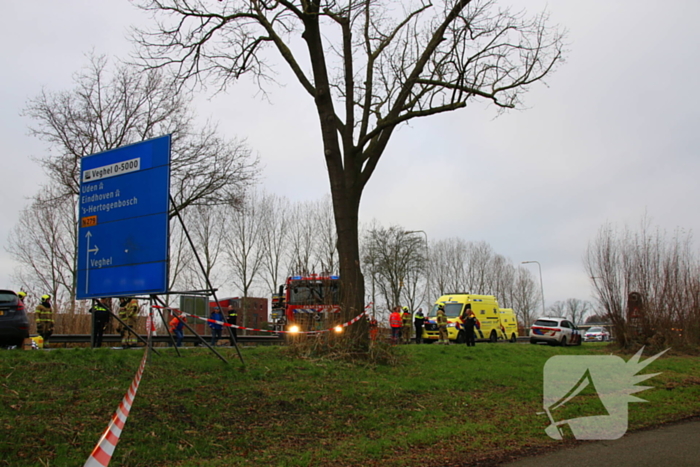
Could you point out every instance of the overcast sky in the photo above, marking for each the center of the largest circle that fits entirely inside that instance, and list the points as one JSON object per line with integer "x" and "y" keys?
{"x": 612, "y": 137}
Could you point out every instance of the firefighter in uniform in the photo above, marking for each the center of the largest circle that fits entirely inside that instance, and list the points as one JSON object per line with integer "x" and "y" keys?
{"x": 442, "y": 324}
{"x": 128, "y": 313}
{"x": 44, "y": 319}
{"x": 406, "y": 319}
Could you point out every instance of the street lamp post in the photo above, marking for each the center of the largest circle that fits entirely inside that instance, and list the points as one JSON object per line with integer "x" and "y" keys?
{"x": 541, "y": 286}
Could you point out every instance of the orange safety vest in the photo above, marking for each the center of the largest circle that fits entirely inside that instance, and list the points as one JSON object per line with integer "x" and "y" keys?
{"x": 395, "y": 320}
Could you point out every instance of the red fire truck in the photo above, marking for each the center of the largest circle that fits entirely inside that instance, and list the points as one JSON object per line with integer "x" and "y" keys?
{"x": 308, "y": 303}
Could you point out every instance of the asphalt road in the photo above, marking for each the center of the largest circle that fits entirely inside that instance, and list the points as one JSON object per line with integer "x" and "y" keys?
{"x": 676, "y": 445}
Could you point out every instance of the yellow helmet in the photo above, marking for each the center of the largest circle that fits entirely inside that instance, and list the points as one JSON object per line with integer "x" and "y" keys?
{"x": 405, "y": 308}
{"x": 21, "y": 294}
{"x": 45, "y": 297}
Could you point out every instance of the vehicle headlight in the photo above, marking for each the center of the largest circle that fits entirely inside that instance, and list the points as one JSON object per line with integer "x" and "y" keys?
{"x": 451, "y": 325}
{"x": 294, "y": 328}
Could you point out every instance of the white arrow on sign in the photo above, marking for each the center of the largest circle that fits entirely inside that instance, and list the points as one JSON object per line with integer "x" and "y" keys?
{"x": 88, "y": 235}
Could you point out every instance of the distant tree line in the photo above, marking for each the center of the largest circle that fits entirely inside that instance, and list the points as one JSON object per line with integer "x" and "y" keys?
{"x": 401, "y": 269}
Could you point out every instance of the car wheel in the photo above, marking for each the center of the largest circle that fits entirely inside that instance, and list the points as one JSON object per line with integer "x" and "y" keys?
{"x": 563, "y": 341}
{"x": 533, "y": 341}
{"x": 493, "y": 337}
{"x": 513, "y": 338}
{"x": 461, "y": 337}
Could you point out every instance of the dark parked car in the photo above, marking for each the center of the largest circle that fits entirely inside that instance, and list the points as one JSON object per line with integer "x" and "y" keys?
{"x": 14, "y": 324}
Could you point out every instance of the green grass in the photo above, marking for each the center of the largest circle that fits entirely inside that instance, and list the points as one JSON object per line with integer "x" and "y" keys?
{"x": 438, "y": 406}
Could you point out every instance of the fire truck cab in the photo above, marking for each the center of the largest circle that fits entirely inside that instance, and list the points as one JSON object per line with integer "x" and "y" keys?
{"x": 308, "y": 303}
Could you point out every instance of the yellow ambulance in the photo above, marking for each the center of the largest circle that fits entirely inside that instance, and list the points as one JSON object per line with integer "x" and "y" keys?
{"x": 485, "y": 308}
{"x": 509, "y": 324}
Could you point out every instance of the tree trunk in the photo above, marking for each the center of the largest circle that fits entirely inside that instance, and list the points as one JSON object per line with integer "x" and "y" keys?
{"x": 344, "y": 174}
{"x": 346, "y": 207}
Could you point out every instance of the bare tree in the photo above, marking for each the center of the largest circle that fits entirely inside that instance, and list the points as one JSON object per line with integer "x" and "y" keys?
{"x": 180, "y": 259}
{"x": 557, "y": 309}
{"x": 44, "y": 244}
{"x": 205, "y": 225}
{"x": 573, "y": 309}
{"x": 662, "y": 271}
{"x": 524, "y": 296}
{"x": 446, "y": 267}
{"x": 303, "y": 239}
{"x": 501, "y": 274}
{"x": 396, "y": 258}
{"x": 414, "y": 291}
{"x": 244, "y": 248}
{"x": 108, "y": 110}
{"x": 373, "y": 68}
{"x": 477, "y": 275}
{"x": 275, "y": 217}
{"x": 327, "y": 238}
{"x": 604, "y": 264}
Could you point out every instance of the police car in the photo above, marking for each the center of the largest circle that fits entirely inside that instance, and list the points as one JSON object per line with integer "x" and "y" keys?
{"x": 554, "y": 331}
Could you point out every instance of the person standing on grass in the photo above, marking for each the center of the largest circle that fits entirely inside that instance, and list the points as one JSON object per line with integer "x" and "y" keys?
{"x": 373, "y": 328}
{"x": 407, "y": 325}
{"x": 128, "y": 313}
{"x": 44, "y": 319}
{"x": 395, "y": 324}
{"x": 418, "y": 322}
{"x": 232, "y": 320}
{"x": 442, "y": 324}
{"x": 100, "y": 318}
{"x": 468, "y": 325}
{"x": 177, "y": 325}
{"x": 215, "y": 320}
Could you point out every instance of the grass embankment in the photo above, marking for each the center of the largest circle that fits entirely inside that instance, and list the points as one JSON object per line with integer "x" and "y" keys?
{"x": 440, "y": 406}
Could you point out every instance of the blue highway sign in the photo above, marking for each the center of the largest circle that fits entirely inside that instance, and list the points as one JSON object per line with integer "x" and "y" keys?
{"x": 123, "y": 212}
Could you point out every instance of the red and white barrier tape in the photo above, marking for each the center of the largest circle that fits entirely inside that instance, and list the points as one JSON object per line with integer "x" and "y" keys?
{"x": 222, "y": 323}
{"x": 102, "y": 454}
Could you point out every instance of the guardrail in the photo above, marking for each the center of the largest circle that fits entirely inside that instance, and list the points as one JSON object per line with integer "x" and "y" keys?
{"x": 116, "y": 338}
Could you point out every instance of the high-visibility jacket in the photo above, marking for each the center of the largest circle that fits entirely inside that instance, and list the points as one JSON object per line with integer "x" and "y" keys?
{"x": 441, "y": 318}
{"x": 44, "y": 313}
{"x": 395, "y": 320}
{"x": 177, "y": 323}
{"x": 406, "y": 319}
{"x": 420, "y": 319}
{"x": 99, "y": 308}
{"x": 130, "y": 310}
